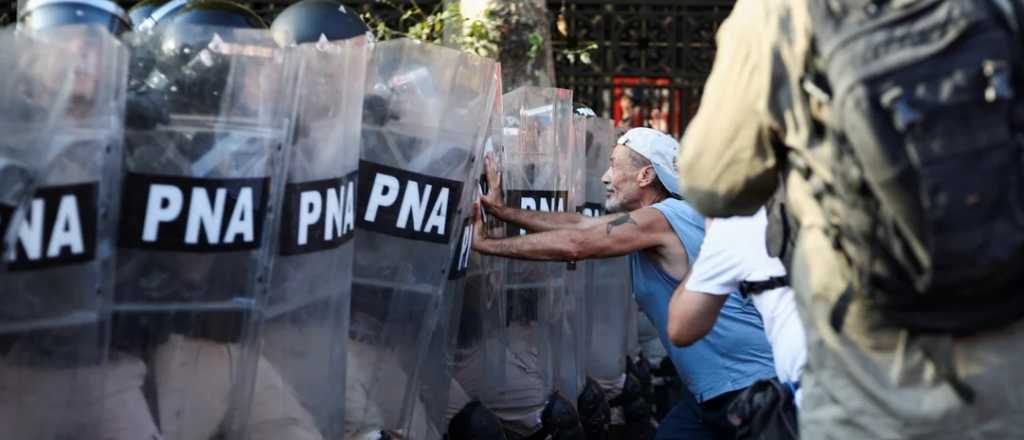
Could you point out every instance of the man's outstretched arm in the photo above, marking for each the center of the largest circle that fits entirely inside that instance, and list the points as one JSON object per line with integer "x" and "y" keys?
{"x": 539, "y": 221}
{"x": 534, "y": 221}
{"x": 610, "y": 236}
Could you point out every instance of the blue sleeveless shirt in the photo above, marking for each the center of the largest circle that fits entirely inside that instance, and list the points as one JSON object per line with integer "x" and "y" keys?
{"x": 736, "y": 352}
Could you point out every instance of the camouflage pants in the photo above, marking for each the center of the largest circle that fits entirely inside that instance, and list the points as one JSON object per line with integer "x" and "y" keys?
{"x": 871, "y": 383}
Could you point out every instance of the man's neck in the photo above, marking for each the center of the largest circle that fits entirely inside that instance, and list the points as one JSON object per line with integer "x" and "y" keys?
{"x": 652, "y": 197}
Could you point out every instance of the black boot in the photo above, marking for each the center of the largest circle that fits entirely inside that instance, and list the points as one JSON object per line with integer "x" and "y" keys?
{"x": 595, "y": 414}
{"x": 560, "y": 419}
{"x": 668, "y": 388}
{"x": 640, "y": 424}
{"x": 642, "y": 370}
{"x": 475, "y": 422}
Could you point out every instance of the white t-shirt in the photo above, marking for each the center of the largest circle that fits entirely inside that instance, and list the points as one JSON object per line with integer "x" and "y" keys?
{"x": 734, "y": 251}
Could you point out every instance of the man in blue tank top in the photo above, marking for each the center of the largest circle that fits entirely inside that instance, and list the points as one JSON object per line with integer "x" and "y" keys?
{"x": 662, "y": 235}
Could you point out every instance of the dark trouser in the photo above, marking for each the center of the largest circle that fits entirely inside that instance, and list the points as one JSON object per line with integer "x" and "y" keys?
{"x": 690, "y": 420}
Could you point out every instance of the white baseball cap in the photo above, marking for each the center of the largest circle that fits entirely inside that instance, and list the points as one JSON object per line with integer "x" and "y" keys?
{"x": 660, "y": 149}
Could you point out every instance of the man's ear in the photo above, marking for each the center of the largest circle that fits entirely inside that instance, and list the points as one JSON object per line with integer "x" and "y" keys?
{"x": 646, "y": 176}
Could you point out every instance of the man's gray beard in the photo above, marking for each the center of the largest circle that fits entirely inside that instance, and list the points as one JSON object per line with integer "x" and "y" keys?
{"x": 612, "y": 207}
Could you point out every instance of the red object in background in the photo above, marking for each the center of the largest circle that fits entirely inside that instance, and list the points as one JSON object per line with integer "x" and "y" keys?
{"x": 647, "y": 102}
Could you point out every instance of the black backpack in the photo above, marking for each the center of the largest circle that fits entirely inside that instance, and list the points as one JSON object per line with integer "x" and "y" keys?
{"x": 765, "y": 411}
{"x": 926, "y": 198}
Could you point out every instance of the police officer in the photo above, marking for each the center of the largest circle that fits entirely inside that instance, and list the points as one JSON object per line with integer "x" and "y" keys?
{"x": 187, "y": 308}
{"x": 759, "y": 127}
{"x": 55, "y": 375}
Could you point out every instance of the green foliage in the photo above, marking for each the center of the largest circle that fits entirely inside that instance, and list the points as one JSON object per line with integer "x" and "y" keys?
{"x": 581, "y": 54}
{"x": 505, "y": 31}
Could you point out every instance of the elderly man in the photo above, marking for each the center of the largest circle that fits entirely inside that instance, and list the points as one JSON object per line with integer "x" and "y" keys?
{"x": 662, "y": 235}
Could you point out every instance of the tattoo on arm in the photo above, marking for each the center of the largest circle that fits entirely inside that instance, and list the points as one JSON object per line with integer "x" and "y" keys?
{"x": 618, "y": 222}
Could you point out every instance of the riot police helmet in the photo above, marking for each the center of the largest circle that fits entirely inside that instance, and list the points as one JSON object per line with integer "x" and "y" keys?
{"x": 184, "y": 31}
{"x": 310, "y": 20}
{"x": 39, "y": 15}
{"x": 142, "y": 10}
{"x": 216, "y": 13}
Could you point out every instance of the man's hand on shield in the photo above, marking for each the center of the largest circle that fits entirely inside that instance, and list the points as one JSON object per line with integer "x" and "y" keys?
{"x": 480, "y": 232}
{"x": 493, "y": 200}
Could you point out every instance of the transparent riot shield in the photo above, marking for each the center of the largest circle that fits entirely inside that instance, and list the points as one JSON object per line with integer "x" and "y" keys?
{"x": 307, "y": 311}
{"x": 536, "y": 176}
{"x": 204, "y": 168}
{"x": 607, "y": 279}
{"x": 572, "y": 336}
{"x": 610, "y": 307}
{"x": 424, "y": 119}
{"x": 55, "y": 379}
{"x": 436, "y": 373}
{"x": 463, "y": 348}
{"x": 30, "y": 80}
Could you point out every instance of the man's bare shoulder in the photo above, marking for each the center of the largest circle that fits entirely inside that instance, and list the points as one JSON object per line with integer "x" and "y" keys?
{"x": 647, "y": 218}
{"x": 652, "y": 221}
{"x": 667, "y": 248}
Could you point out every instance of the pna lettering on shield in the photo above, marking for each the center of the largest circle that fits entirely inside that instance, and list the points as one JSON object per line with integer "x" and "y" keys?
{"x": 189, "y": 214}
{"x": 405, "y": 204}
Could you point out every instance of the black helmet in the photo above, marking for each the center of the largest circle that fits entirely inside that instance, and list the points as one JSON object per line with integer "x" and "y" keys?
{"x": 219, "y": 13}
{"x": 308, "y": 20}
{"x": 172, "y": 53}
{"x": 186, "y": 28}
{"x": 47, "y": 14}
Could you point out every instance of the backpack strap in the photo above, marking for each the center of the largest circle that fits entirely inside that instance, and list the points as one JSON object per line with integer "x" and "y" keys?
{"x": 939, "y": 351}
{"x": 748, "y": 288}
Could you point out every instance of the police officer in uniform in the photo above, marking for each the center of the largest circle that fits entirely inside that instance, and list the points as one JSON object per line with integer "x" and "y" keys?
{"x": 56, "y": 377}
{"x": 760, "y": 126}
{"x": 199, "y": 356}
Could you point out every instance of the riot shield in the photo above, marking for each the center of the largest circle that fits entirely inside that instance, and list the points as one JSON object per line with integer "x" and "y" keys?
{"x": 203, "y": 176}
{"x": 462, "y": 347}
{"x": 436, "y": 374}
{"x": 536, "y": 176}
{"x": 572, "y": 338}
{"x": 307, "y": 310}
{"x": 609, "y": 303}
{"x": 31, "y": 79}
{"x": 424, "y": 120}
{"x": 55, "y": 379}
{"x": 607, "y": 279}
